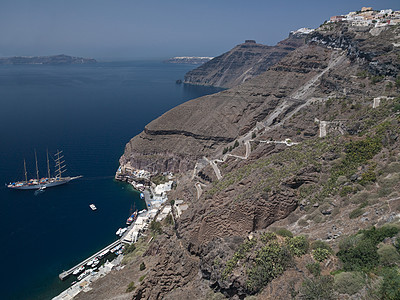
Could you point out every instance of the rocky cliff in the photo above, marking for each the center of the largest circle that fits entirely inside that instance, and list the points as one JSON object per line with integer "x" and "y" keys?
{"x": 317, "y": 152}
{"x": 46, "y": 60}
{"x": 242, "y": 63}
{"x": 191, "y": 60}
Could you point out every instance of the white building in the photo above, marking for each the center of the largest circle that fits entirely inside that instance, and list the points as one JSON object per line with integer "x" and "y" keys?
{"x": 386, "y": 11}
{"x": 361, "y": 23}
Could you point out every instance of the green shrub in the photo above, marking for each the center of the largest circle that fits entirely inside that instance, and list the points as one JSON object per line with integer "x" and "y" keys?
{"x": 253, "y": 135}
{"x": 362, "y": 74}
{"x": 314, "y": 268}
{"x": 376, "y": 79}
{"x": 345, "y": 191}
{"x": 159, "y": 179}
{"x": 131, "y": 287}
{"x": 141, "y": 278}
{"x": 359, "y": 252}
{"x": 361, "y": 151}
{"x": 356, "y": 213}
{"x": 239, "y": 254}
{"x": 297, "y": 245}
{"x": 321, "y": 244}
{"x": 267, "y": 237}
{"x": 367, "y": 177}
{"x": 130, "y": 248}
{"x": 390, "y": 286}
{"x": 142, "y": 266}
{"x": 317, "y": 288}
{"x": 349, "y": 282}
{"x": 377, "y": 235}
{"x": 271, "y": 261}
{"x": 362, "y": 257}
{"x": 320, "y": 254}
{"x": 155, "y": 227}
{"x": 169, "y": 220}
{"x": 283, "y": 232}
{"x": 388, "y": 255}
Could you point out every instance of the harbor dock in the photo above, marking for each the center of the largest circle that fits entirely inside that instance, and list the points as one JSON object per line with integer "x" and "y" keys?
{"x": 65, "y": 274}
{"x": 129, "y": 236}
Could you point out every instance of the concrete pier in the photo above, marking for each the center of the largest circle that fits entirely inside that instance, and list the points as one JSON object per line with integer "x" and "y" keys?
{"x": 127, "y": 236}
{"x": 65, "y": 274}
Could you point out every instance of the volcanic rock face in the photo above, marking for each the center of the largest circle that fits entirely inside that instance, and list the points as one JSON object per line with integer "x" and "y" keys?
{"x": 313, "y": 83}
{"x": 242, "y": 63}
{"x": 174, "y": 141}
{"x": 373, "y": 46}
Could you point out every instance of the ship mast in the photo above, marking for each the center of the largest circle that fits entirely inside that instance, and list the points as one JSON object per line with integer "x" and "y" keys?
{"x": 59, "y": 164}
{"x": 48, "y": 165}
{"x": 37, "y": 169}
{"x": 26, "y": 176}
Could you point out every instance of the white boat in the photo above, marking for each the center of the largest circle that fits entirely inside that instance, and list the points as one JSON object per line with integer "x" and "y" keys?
{"x": 96, "y": 261}
{"x": 89, "y": 263}
{"x": 92, "y": 206}
{"x": 121, "y": 231}
{"x": 116, "y": 248}
{"x": 84, "y": 274}
{"x": 104, "y": 253}
{"x": 78, "y": 270}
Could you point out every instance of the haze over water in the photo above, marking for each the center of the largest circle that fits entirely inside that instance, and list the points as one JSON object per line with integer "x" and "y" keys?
{"x": 90, "y": 112}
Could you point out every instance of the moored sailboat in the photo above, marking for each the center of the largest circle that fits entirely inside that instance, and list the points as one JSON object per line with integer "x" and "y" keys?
{"x": 45, "y": 182}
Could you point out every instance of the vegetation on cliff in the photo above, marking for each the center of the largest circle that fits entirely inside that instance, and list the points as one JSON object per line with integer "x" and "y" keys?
{"x": 303, "y": 220}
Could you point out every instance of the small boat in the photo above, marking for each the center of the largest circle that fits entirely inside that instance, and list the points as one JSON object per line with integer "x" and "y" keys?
{"x": 96, "y": 261}
{"x": 141, "y": 196}
{"x": 116, "y": 248}
{"x": 90, "y": 263}
{"x": 84, "y": 274}
{"x": 104, "y": 253}
{"x": 40, "y": 190}
{"x": 78, "y": 270}
{"x": 118, "y": 231}
{"x": 92, "y": 206}
{"x": 132, "y": 218}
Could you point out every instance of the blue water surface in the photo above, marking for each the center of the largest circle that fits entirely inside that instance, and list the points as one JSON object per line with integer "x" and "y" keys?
{"x": 90, "y": 112}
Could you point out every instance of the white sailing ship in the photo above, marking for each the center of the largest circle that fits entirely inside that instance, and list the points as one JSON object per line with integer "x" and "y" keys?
{"x": 45, "y": 182}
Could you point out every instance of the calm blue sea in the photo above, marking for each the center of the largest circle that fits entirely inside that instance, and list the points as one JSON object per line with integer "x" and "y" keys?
{"x": 90, "y": 112}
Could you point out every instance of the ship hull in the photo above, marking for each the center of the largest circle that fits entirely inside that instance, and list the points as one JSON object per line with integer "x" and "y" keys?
{"x": 38, "y": 186}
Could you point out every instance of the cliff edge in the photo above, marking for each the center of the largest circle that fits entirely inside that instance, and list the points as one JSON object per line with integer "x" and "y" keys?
{"x": 242, "y": 63}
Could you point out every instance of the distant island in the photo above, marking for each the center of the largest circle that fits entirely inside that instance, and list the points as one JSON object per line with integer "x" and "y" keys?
{"x": 193, "y": 60}
{"x": 46, "y": 60}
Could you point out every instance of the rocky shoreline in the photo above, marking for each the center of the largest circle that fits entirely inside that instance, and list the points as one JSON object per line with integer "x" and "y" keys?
{"x": 279, "y": 174}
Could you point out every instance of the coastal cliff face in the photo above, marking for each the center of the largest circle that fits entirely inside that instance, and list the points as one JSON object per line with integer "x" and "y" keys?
{"x": 318, "y": 153}
{"x": 200, "y": 127}
{"x": 242, "y": 63}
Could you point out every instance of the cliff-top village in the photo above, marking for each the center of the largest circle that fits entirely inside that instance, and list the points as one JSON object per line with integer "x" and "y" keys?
{"x": 369, "y": 17}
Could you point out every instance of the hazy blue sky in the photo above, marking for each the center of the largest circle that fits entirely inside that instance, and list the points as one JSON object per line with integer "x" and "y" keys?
{"x": 124, "y": 29}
